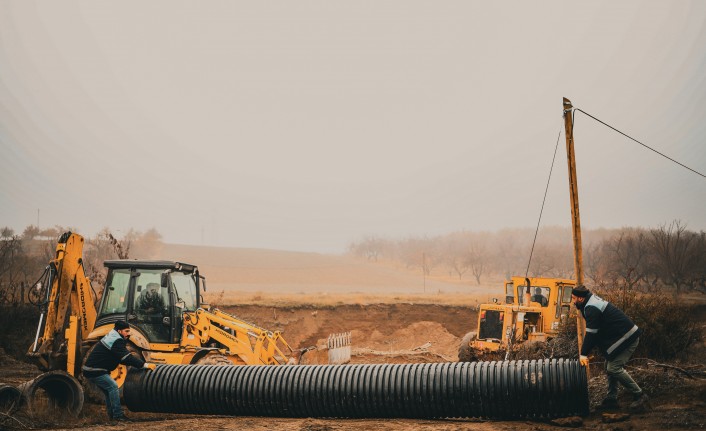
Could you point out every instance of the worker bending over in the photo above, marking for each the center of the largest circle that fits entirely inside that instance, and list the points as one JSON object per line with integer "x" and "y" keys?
{"x": 110, "y": 352}
{"x": 617, "y": 338}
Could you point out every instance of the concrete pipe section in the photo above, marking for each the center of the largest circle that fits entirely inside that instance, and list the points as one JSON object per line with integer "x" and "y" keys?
{"x": 55, "y": 391}
{"x": 495, "y": 390}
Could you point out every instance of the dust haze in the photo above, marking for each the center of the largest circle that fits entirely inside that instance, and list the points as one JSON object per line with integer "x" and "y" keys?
{"x": 309, "y": 125}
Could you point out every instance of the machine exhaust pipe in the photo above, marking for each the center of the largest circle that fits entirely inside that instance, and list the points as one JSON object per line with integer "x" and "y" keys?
{"x": 536, "y": 389}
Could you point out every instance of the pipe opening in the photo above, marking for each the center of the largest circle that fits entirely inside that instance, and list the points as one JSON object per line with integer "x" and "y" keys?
{"x": 10, "y": 399}
{"x": 54, "y": 394}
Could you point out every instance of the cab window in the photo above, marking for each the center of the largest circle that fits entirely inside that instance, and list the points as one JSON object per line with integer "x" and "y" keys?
{"x": 567, "y": 294}
{"x": 151, "y": 306}
{"x": 509, "y": 293}
{"x": 563, "y": 308}
{"x": 538, "y": 294}
{"x": 116, "y": 292}
{"x": 185, "y": 288}
{"x": 149, "y": 294}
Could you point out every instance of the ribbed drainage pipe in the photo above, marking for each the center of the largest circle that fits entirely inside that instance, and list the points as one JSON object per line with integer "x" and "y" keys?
{"x": 500, "y": 390}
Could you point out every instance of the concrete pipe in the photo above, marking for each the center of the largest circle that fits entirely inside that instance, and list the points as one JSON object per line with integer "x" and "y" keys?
{"x": 497, "y": 390}
{"x": 55, "y": 391}
{"x": 10, "y": 398}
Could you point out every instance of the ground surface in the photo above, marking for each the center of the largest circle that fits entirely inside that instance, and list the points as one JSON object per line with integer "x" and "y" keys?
{"x": 395, "y": 316}
{"x": 387, "y": 333}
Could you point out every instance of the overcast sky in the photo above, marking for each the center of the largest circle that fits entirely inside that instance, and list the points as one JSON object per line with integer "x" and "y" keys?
{"x": 304, "y": 125}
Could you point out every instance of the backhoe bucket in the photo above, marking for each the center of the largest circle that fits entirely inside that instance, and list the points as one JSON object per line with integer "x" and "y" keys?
{"x": 339, "y": 348}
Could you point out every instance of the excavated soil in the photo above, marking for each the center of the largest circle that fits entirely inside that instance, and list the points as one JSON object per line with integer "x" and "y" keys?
{"x": 387, "y": 333}
{"x": 390, "y": 333}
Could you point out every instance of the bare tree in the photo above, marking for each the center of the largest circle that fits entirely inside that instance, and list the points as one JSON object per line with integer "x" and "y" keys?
{"x": 147, "y": 245}
{"x": 478, "y": 259}
{"x": 371, "y": 248}
{"x": 454, "y": 253}
{"x": 628, "y": 253}
{"x": 595, "y": 263}
{"x": 674, "y": 249}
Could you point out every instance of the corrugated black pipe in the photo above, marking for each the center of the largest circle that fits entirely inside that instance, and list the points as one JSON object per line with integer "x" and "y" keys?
{"x": 499, "y": 390}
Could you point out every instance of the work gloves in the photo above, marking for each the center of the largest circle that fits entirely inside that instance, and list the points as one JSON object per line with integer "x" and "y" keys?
{"x": 583, "y": 360}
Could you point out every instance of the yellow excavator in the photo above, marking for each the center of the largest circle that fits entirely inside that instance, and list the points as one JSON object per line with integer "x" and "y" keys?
{"x": 162, "y": 302}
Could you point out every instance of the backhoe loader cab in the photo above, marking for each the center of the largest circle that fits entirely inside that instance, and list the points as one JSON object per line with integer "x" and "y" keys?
{"x": 532, "y": 311}
{"x": 150, "y": 295}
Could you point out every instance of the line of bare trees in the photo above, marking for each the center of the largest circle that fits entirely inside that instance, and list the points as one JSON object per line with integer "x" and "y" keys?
{"x": 629, "y": 258}
{"x": 24, "y": 256}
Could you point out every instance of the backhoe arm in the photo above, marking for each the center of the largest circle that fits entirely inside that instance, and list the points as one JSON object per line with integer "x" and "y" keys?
{"x": 69, "y": 293}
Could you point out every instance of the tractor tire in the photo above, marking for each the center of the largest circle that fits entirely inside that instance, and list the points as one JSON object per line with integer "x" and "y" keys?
{"x": 215, "y": 359}
{"x": 465, "y": 352}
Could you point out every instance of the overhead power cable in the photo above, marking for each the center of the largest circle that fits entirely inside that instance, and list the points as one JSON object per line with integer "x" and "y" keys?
{"x": 534, "y": 241}
{"x": 644, "y": 145}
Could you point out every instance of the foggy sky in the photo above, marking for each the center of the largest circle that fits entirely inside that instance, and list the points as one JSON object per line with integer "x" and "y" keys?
{"x": 308, "y": 125}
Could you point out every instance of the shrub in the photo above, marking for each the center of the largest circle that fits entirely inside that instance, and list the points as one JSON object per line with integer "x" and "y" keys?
{"x": 669, "y": 326}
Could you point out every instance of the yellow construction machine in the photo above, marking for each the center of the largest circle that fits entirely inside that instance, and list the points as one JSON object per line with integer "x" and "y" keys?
{"x": 533, "y": 307}
{"x": 162, "y": 302}
{"x": 532, "y": 310}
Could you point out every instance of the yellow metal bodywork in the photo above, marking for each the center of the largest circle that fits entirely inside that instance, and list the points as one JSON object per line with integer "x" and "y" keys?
{"x": 525, "y": 320}
{"x": 71, "y": 335}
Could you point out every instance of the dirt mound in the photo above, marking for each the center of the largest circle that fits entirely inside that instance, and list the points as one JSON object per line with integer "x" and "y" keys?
{"x": 304, "y": 326}
{"x": 428, "y": 336}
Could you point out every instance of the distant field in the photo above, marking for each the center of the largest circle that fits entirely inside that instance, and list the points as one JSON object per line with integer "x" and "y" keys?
{"x": 264, "y": 276}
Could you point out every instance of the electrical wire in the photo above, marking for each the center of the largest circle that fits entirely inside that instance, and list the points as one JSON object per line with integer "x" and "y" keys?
{"x": 534, "y": 241}
{"x": 43, "y": 279}
{"x": 644, "y": 145}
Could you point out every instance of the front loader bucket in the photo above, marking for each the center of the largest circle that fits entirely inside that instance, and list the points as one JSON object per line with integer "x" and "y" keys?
{"x": 339, "y": 348}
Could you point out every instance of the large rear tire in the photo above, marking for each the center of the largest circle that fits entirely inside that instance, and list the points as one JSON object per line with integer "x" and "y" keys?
{"x": 465, "y": 352}
{"x": 215, "y": 359}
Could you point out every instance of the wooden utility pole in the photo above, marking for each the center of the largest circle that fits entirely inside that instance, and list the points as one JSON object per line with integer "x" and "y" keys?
{"x": 575, "y": 218}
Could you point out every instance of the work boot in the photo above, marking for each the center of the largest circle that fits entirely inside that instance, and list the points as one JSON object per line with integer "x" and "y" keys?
{"x": 609, "y": 403}
{"x": 641, "y": 403}
{"x": 123, "y": 419}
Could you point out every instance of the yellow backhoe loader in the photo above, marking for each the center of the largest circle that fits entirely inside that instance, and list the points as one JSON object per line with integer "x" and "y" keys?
{"x": 162, "y": 302}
